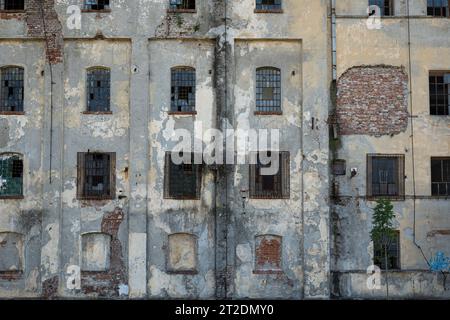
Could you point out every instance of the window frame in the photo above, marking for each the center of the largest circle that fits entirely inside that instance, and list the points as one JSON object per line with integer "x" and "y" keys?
{"x": 268, "y": 8}
{"x": 90, "y": 72}
{"x": 400, "y": 177}
{"x": 2, "y": 7}
{"x": 21, "y": 75}
{"x": 435, "y": 74}
{"x": 191, "y": 74}
{"x": 382, "y": 9}
{"x": 20, "y": 157}
{"x": 444, "y": 182}
{"x": 381, "y": 257}
{"x": 441, "y": 15}
{"x": 182, "y": 10}
{"x": 86, "y": 7}
{"x": 277, "y": 96}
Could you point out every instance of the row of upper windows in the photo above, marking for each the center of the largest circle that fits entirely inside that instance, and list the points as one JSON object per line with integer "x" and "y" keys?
{"x": 183, "y": 88}
{"x": 435, "y": 8}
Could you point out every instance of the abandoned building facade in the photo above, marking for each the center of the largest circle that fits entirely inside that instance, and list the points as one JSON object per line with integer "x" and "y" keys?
{"x": 93, "y": 95}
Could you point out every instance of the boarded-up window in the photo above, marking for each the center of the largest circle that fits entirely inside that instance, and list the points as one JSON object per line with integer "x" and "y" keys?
{"x": 440, "y": 176}
{"x": 439, "y": 93}
{"x": 268, "y": 253}
{"x": 182, "y": 89}
{"x": 11, "y": 175}
{"x": 182, "y": 181}
{"x": 438, "y": 8}
{"x": 96, "y": 4}
{"x": 268, "y": 5}
{"x": 96, "y": 175}
{"x": 268, "y": 89}
{"x": 182, "y": 255}
{"x": 392, "y": 250}
{"x": 386, "y": 7}
{"x": 11, "y": 89}
{"x": 96, "y": 252}
{"x": 98, "y": 89}
{"x": 385, "y": 176}
{"x": 12, "y": 5}
{"x": 182, "y": 4}
{"x": 270, "y": 186}
{"x": 11, "y": 251}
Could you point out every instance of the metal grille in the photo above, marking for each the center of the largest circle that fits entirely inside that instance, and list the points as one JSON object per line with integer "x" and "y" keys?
{"x": 440, "y": 176}
{"x": 11, "y": 90}
{"x": 393, "y": 252}
{"x": 440, "y": 94}
{"x": 268, "y": 4}
{"x": 263, "y": 186}
{"x": 384, "y": 176}
{"x": 11, "y": 175}
{"x": 12, "y": 5}
{"x": 183, "y": 181}
{"x": 386, "y": 7}
{"x": 96, "y": 4}
{"x": 268, "y": 89}
{"x": 438, "y": 8}
{"x": 97, "y": 175}
{"x": 182, "y": 4}
{"x": 183, "y": 89}
{"x": 98, "y": 89}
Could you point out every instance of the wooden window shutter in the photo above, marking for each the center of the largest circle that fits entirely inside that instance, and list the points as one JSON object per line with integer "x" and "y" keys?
{"x": 80, "y": 175}
{"x": 369, "y": 176}
{"x": 112, "y": 174}
{"x": 167, "y": 159}
{"x": 285, "y": 175}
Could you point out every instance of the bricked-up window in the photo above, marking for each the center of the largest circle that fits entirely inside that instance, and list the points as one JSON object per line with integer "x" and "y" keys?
{"x": 268, "y": 5}
{"x": 182, "y": 253}
{"x": 268, "y": 254}
{"x": 182, "y": 89}
{"x": 385, "y": 176}
{"x": 268, "y": 89}
{"x": 11, "y": 252}
{"x": 339, "y": 167}
{"x": 386, "y": 7}
{"x": 98, "y": 89}
{"x": 96, "y": 250}
{"x": 440, "y": 93}
{"x": 96, "y": 5}
{"x": 438, "y": 8}
{"x": 182, "y": 181}
{"x": 11, "y": 175}
{"x": 393, "y": 252}
{"x": 11, "y": 89}
{"x": 96, "y": 176}
{"x": 12, "y": 5}
{"x": 440, "y": 176}
{"x": 182, "y": 4}
{"x": 266, "y": 186}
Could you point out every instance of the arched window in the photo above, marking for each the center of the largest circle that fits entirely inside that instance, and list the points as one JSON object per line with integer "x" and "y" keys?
{"x": 11, "y": 175}
{"x": 11, "y": 89}
{"x": 96, "y": 250}
{"x": 98, "y": 89}
{"x": 11, "y": 252}
{"x": 268, "y": 253}
{"x": 268, "y": 89}
{"x": 182, "y": 255}
{"x": 12, "y": 5}
{"x": 182, "y": 89}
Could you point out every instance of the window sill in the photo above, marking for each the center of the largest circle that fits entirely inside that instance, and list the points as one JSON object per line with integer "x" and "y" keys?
{"x": 97, "y": 112}
{"x": 181, "y": 10}
{"x": 268, "y": 11}
{"x": 268, "y": 113}
{"x": 11, "y": 275}
{"x": 182, "y": 198}
{"x": 186, "y": 272}
{"x": 12, "y": 197}
{"x": 392, "y": 198}
{"x": 96, "y": 198}
{"x": 447, "y": 197}
{"x": 96, "y": 11}
{"x": 182, "y": 113}
{"x": 12, "y": 113}
{"x": 12, "y": 11}
{"x": 268, "y": 272}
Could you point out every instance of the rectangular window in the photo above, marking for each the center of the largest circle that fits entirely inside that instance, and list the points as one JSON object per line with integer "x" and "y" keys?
{"x": 96, "y": 5}
{"x": 13, "y": 5}
{"x": 267, "y": 186}
{"x": 98, "y": 89}
{"x": 182, "y": 89}
{"x": 438, "y": 8}
{"x": 439, "y": 93}
{"x": 11, "y": 176}
{"x": 440, "y": 176}
{"x": 385, "y": 176}
{"x": 392, "y": 250}
{"x": 386, "y": 7}
{"x": 268, "y": 89}
{"x": 182, "y": 181}
{"x": 11, "y": 89}
{"x": 268, "y": 5}
{"x": 182, "y": 4}
{"x": 339, "y": 167}
{"x": 96, "y": 176}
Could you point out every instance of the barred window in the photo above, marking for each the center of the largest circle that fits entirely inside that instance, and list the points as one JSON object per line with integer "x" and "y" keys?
{"x": 385, "y": 176}
{"x": 439, "y": 93}
{"x": 268, "y": 89}
{"x": 182, "y": 181}
{"x": 96, "y": 176}
{"x": 268, "y": 5}
{"x": 11, "y": 89}
{"x": 11, "y": 175}
{"x": 183, "y": 89}
{"x": 440, "y": 176}
{"x": 96, "y": 5}
{"x": 264, "y": 186}
{"x": 98, "y": 89}
{"x": 392, "y": 250}
{"x": 12, "y": 5}
{"x": 182, "y": 4}
{"x": 386, "y": 7}
{"x": 438, "y": 8}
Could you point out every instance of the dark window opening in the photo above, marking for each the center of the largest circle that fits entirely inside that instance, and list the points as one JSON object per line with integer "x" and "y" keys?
{"x": 439, "y": 93}
{"x": 96, "y": 175}
{"x": 268, "y": 5}
{"x": 339, "y": 167}
{"x": 99, "y": 90}
{"x": 440, "y": 176}
{"x": 438, "y": 8}
{"x": 385, "y": 176}
{"x": 268, "y": 89}
{"x": 392, "y": 250}
{"x": 182, "y": 181}
{"x": 182, "y": 89}
{"x": 182, "y": 4}
{"x": 11, "y": 175}
{"x": 12, "y": 5}
{"x": 386, "y": 7}
{"x": 96, "y": 5}
{"x": 11, "y": 89}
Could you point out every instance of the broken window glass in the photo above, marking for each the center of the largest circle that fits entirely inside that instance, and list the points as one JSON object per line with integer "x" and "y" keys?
{"x": 11, "y": 175}
{"x": 182, "y": 4}
{"x": 438, "y": 8}
{"x": 183, "y": 89}
{"x": 12, "y": 5}
{"x": 392, "y": 249}
{"x": 11, "y": 89}
{"x": 440, "y": 176}
{"x": 96, "y": 175}
{"x": 96, "y": 4}
{"x": 439, "y": 93}
{"x": 182, "y": 181}
{"x": 385, "y": 176}
{"x": 268, "y": 5}
{"x": 98, "y": 89}
{"x": 268, "y": 89}
{"x": 386, "y": 7}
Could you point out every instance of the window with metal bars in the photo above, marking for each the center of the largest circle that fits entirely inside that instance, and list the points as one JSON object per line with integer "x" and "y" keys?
{"x": 96, "y": 176}
{"x": 392, "y": 250}
{"x": 439, "y": 93}
{"x": 182, "y": 181}
{"x": 182, "y": 89}
{"x": 385, "y": 176}
{"x": 438, "y": 8}
{"x": 98, "y": 89}
{"x": 268, "y": 89}
{"x": 96, "y": 5}
{"x": 12, "y": 5}
{"x": 265, "y": 186}
{"x": 11, "y": 175}
{"x": 440, "y": 176}
{"x": 11, "y": 89}
{"x": 386, "y": 7}
{"x": 268, "y": 5}
{"x": 182, "y": 4}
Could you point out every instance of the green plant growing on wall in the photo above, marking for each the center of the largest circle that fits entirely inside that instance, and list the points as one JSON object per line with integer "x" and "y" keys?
{"x": 382, "y": 232}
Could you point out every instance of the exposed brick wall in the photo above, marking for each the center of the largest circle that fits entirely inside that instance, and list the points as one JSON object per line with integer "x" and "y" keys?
{"x": 372, "y": 100}
{"x": 268, "y": 253}
{"x": 12, "y": 15}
